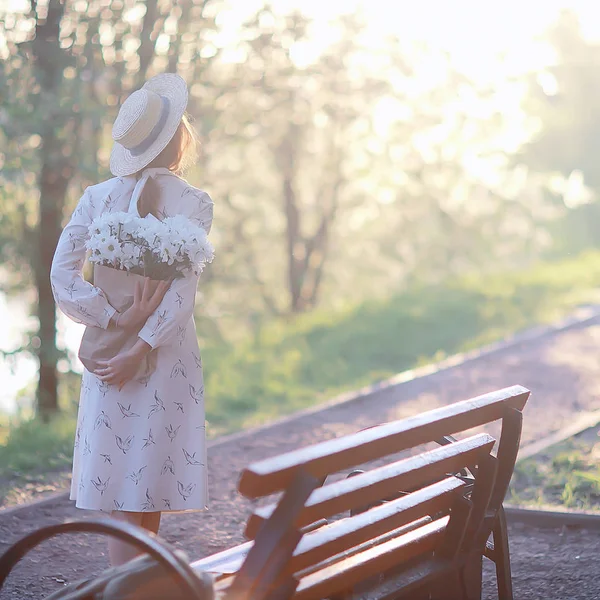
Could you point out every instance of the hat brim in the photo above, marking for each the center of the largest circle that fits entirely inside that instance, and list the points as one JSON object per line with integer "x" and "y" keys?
{"x": 122, "y": 162}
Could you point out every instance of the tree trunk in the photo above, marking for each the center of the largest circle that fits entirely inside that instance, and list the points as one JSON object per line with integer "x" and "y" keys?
{"x": 50, "y": 61}
{"x": 150, "y": 24}
{"x": 295, "y": 247}
{"x": 53, "y": 186}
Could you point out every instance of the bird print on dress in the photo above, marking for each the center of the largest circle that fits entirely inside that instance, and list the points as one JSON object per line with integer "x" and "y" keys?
{"x": 157, "y": 406}
{"x": 124, "y": 444}
{"x": 100, "y": 485}
{"x": 163, "y": 214}
{"x": 168, "y": 467}
{"x": 178, "y": 369}
{"x": 78, "y": 212}
{"x": 103, "y": 386}
{"x": 191, "y": 459}
{"x": 87, "y": 450}
{"x": 118, "y": 505}
{"x": 167, "y": 503}
{"x": 109, "y": 203}
{"x": 86, "y": 314}
{"x": 149, "y": 441}
{"x": 71, "y": 289}
{"x": 106, "y": 458}
{"x": 179, "y": 299}
{"x": 179, "y": 405}
{"x": 198, "y": 360}
{"x": 102, "y": 419}
{"x": 197, "y": 394}
{"x": 161, "y": 319}
{"x": 149, "y": 503}
{"x": 76, "y": 239}
{"x": 144, "y": 379}
{"x": 181, "y": 331}
{"x": 188, "y": 191}
{"x": 126, "y": 411}
{"x": 172, "y": 433}
{"x": 185, "y": 491}
{"x": 136, "y": 476}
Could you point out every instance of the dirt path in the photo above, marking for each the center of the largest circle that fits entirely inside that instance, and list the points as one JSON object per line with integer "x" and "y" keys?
{"x": 562, "y": 370}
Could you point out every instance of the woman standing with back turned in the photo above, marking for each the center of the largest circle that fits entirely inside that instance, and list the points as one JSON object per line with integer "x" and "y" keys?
{"x": 140, "y": 446}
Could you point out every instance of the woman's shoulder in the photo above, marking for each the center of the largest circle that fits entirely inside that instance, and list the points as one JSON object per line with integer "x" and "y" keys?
{"x": 196, "y": 204}
{"x": 192, "y": 192}
{"x": 109, "y": 195}
{"x": 105, "y": 188}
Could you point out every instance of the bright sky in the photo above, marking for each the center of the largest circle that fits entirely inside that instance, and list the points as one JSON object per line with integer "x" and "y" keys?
{"x": 473, "y": 32}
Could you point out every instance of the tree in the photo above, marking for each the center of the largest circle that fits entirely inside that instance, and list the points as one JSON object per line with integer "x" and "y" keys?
{"x": 62, "y": 67}
{"x": 300, "y": 125}
{"x": 561, "y": 101}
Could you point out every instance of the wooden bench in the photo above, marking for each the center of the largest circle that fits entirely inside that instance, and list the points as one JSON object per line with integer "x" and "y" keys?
{"x": 451, "y": 502}
{"x": 418, "y": 526}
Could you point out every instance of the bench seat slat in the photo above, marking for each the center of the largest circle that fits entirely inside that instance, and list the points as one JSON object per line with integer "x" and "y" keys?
{"x": 222, "y": 559}
{"x": 274, "y": 474}
{"x": 345, "y": 574}
{"x": 383, "y": 482}
{"x": 234, "y": 562}
{"x": 228, "y": 561}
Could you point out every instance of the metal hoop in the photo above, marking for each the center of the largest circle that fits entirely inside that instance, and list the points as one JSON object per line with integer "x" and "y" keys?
{"x": 122, "y": 531}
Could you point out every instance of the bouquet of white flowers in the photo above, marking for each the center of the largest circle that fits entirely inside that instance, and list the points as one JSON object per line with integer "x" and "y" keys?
{"x": 149, "y": 247}
{"x": 124, "y": 249}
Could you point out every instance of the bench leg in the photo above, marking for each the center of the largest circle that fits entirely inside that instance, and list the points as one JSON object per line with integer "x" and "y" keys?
{"x": 449, "y": 587}
{"x": 471, "y": 578}
{"x": 502, "y": 557}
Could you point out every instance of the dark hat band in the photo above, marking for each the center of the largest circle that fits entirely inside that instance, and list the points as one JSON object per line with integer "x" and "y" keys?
{"x": 156, "y": 130}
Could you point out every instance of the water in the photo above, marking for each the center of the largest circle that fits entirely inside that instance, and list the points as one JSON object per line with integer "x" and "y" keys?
{"x": 20, "y": 372}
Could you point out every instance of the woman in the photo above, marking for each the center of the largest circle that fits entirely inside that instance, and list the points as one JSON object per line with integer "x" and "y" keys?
{"x": 140, "y": 446}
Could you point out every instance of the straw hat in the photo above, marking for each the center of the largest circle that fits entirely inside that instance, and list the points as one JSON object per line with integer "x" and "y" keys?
{"x": 147, "y": 122}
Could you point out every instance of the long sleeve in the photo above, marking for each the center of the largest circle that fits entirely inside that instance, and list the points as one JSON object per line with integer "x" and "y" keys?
{"x": 170, "y": 319}
{"x": 78, "y": 299}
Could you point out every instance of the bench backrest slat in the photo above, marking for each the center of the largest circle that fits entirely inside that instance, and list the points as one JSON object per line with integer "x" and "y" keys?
{"x": 383, "y": 482}
{"x": 347, "y": 533}
{"x": 272, "y": 475}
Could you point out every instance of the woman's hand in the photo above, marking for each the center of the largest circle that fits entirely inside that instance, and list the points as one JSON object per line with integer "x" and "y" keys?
{"x": 124, "y": 366}
{"x": 146, "y": 299}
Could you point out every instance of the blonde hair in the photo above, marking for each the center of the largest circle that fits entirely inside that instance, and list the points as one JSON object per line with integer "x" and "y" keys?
{"x": 179, "y": 154}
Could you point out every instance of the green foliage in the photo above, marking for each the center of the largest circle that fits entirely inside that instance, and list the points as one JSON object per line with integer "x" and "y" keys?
{"x": 34, "y": 447}
{"x": 567, "y": 474}
{"x": 291, "y": 365}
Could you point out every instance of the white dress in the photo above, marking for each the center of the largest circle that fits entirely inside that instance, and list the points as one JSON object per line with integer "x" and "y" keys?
{"x": 142, "y": 448}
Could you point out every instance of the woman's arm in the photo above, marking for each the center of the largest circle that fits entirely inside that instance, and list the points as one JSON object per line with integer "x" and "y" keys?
{"x": 78, "y": 299}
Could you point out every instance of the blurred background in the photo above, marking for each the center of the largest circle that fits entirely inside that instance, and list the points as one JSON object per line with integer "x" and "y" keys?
{"x": 393, "y": 182}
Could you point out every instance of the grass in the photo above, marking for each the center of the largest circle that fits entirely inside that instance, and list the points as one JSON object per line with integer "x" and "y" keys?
{"x": 35, "y": 457}
{"x": 295, "y": 365}
{"x": 567, "y": 475}
{"x": 292, "y": 365}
